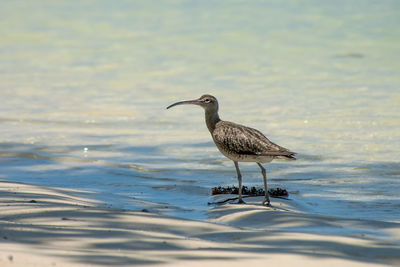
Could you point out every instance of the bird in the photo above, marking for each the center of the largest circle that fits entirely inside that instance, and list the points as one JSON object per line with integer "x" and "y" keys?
{"x": 239, "y": 143}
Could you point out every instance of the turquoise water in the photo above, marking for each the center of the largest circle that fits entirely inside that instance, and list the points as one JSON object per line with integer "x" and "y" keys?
{"x": 84, "y": 88}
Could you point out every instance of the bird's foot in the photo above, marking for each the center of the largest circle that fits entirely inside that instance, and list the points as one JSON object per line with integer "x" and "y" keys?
{"x": 267, "y": 203}
{"x": 240, "y": 201}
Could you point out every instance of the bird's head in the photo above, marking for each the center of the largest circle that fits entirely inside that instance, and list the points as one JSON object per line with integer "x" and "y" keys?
{"x": 208, "y": 102}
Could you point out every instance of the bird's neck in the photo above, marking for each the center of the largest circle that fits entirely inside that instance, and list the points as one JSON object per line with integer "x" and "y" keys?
{"x": 212, "y": 118}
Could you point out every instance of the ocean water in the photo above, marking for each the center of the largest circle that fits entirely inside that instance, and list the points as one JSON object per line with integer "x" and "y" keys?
{"x": 84, "y": 87}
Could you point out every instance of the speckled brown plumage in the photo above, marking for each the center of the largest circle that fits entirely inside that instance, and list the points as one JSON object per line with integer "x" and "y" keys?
{"x": 242, "y": 143}
{"x": 239, "y": 143}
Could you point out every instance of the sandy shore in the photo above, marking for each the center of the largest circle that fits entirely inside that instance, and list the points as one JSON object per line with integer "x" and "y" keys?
{"x": 42, "y": 226}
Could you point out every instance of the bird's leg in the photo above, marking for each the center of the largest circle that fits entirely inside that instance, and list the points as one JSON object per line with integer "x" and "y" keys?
{"x": 266, "y": 201}
{"x": 240, "y": 182}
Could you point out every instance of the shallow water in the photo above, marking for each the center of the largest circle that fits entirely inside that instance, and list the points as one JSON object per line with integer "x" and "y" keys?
{"x": 84, "y": 89}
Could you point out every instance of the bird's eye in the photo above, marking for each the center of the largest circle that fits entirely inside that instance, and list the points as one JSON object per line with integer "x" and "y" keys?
{"x": 207, "y": 100}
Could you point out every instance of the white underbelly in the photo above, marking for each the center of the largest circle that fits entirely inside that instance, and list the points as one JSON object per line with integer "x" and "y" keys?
{"x": 246, "y": 158}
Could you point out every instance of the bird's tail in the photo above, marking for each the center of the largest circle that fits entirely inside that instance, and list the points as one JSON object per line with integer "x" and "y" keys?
{"x": 288, "y": 157}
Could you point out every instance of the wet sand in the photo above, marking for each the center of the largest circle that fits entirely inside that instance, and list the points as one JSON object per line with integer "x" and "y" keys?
{"x": 43, "y": 226}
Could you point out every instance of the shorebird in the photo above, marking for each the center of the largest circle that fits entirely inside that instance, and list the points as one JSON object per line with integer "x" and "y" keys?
{"x": 239, "y": 143}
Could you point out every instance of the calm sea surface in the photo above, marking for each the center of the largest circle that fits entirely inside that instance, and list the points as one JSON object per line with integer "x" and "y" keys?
{"x": 84, "y": 86}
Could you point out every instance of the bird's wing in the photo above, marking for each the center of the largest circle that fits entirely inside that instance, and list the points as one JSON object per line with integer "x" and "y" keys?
{"x": 245, "y": 140}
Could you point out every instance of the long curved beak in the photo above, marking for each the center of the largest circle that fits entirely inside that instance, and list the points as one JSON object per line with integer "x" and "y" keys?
{"x": 186, "y": 102}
